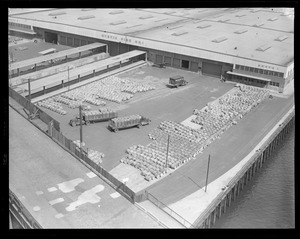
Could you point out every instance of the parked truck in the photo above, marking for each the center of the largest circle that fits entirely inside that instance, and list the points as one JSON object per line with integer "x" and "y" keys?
{"x": 127, "y": 122}
{"x": 94, "y": 116}
{"x": 176, "y": 81}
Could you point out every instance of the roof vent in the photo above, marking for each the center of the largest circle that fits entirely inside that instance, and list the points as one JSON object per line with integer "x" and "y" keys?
{"x": 56, "y": 13}
{"x": 169, "y": 12}
{"x": 204, "y": 26}
{"x": 263, "y": 47}
{"x": 118, "y": 22}
{"x": 174, "y": 27}
{"x": 219, "y": 39}
{"x": 240, "y": 15}
{"x": 217, "y": 16}
{"x": 241, "y": 31}
{"x": 146, "y": 17}
{"x": 284, "y": 14}
{"x": 281, "y": 38}
{"x": 87, "y": 9}
{"x": 224, "y": 20}
{"x": 159, "y": 20}
{"x": 116, "y": 12}
{"x": 135, "y": 26}
{"x": 273, "y": 19}
{"x": 179, "y": 33}
{"x": 258, "y": 24}
{"x": 86, "y": 17}
{"x": 196, "y": 21}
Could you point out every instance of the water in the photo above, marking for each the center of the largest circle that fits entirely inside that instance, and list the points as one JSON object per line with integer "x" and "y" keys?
{"x": 268, "y": 200}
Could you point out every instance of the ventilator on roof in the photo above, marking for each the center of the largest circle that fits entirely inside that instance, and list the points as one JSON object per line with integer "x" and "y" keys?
{"x": 240, "y": 15}
{"x": 174, "y": 27}
{"x": 204, "y": 26}
{"x": 284, "y": 14}
{"x": 263, "y": 47}
{"x": 241, "y": 31}
{"x": 179, "y": 33}
{"x": 219, "y": 39}
{"x": 169, "y": 12}
{"x": 118, "y": 22}
{"x": 258, "y": 24}
{"x": 116, "y": 12}
{"x": 196, "y": 21}
{"x": 135, "y": 26}
{"x": 273, "y": 19}
{"x": 161, "y": 19}
{"x": 224, "y": 20}
{"x": 56, "y": 13}
{"x": 86, "y": 17}
{"x": 281, "y": 38}
{"x": 146, "y": 17}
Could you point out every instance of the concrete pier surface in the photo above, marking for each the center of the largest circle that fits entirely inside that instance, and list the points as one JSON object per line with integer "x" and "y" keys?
{"x": 60, "y": 192}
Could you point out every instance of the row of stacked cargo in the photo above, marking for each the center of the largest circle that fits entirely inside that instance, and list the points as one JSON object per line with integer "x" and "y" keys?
{"x": 184, "y": 142}
{"x": 52, "y": 105}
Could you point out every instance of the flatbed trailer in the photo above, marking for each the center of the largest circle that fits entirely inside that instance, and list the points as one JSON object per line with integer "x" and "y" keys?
{"x": 93, "y": 117}
{"x": 128, "y": 122}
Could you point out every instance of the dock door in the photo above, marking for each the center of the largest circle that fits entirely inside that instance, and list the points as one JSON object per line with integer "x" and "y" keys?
{"x": 51, "y": 37}
{"x": 211, "y": 69}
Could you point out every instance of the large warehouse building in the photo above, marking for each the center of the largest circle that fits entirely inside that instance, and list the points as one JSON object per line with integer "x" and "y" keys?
{"x": 252, "y": 46}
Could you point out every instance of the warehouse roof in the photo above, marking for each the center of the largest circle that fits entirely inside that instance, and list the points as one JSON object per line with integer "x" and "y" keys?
{"x": 232, "y": 32}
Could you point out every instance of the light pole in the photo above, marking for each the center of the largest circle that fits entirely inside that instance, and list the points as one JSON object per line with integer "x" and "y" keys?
{"x": 207, "y": 172}
{"x": 80, "y": 116}
{"x": 29, "y": 91}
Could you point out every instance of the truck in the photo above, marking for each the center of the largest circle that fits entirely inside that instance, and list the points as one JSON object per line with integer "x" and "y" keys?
{"x": 93, "y": 117}
{"x": 176, "y": 81}
{"x": 127, "y": 122}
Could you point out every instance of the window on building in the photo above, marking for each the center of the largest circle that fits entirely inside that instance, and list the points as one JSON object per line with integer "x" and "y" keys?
{"x": 76, "y": 42}
{"x": 255, "y": 70}
{"x": 246, "y": 68}
{"x": 277, "y": 84}
{"x": 281, "y": 75}
{"x": 251, "y": 69}
{"x": 261, "y": 71}
{"x": 265, "y": 72}
{"x": 237, "y": 67}
{"x": 270, "y": 73}
{"x": 242, "y": 68}
{"x": 275, "y": 73}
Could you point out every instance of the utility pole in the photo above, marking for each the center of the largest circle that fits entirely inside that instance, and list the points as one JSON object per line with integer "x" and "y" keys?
{"x": 80, "y": 116}
{"x": 207, "y": 172}
{"x": 167, "y": 150}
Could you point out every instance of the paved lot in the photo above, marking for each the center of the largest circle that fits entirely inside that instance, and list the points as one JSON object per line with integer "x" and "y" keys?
{"x": 58, "y": 190}
{"x": 160, "y": 104}
{"x": 225, "y": 153}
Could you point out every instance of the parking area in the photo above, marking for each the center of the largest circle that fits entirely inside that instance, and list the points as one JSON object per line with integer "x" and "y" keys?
{"x": 160, "y": 104}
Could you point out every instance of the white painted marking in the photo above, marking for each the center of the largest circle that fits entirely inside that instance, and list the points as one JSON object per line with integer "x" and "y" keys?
{"x": 39, "y": 192}
{"x": 59, "y": 215}
{"x": 87, "y": 196}
{"x": 52, "y": 189}
{"x": 115, "y": 195}
{"x": 125, "y": 180}
{"x": 22, "y": 198}
{"x": 57, "y": 200}
{"x": 36, "y": 208}
{"x": 69, "y": 186}
{"x": 91, "y": 175}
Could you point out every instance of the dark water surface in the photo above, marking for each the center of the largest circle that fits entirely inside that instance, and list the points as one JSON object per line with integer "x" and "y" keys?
{"x": 268, "y": 201}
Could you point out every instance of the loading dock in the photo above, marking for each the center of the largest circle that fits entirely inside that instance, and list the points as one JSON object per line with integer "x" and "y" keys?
{"x": 211, "y": 69}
